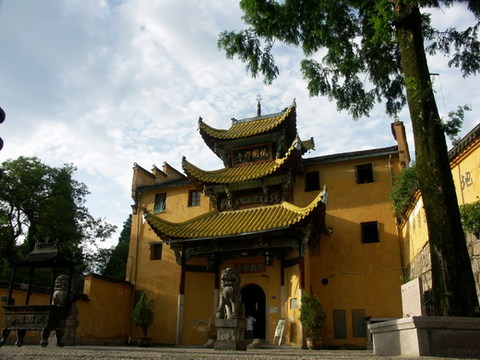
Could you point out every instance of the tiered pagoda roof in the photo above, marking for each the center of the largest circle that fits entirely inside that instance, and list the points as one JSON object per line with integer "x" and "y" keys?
{"x": 252, "y": 171}
{"x": 247, "y": 127}
{"x": 250, "y": 195}
{"x": 262, "y": 125}
{"x": 217, "y": 224}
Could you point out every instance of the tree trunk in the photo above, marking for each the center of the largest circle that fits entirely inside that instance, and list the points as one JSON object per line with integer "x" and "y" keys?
{"x": 454, "y": 291}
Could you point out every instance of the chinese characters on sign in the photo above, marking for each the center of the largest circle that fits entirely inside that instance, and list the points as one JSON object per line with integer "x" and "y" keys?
{"x": 466, "y": 180}
{"x": 252, "y": 154}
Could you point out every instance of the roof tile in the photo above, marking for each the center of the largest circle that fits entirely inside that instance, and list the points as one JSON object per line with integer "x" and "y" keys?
{"x": 235, "y": 222}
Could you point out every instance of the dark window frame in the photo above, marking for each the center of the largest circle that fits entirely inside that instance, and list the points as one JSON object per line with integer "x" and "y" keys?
{"x": 160, "y": 205}
{"x": 339, "y": 324}
{"x": 194, "y": 197}
{"x": 156, "y": 251}
{"x": 359, "y": 323}
{"x": 364, "y": 173}
{"x": 312, "y": 180}
{"x": 370, "y": 232}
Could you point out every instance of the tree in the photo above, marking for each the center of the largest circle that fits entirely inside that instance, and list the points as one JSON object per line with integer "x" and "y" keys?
{"x": 382, "y": 41}
{"x": 470, "y": 214}
{"x": 312, "y": 315}
{"x": 404, "y": 187}
{"x": 143, "y": 313}
{"x": 39, "y": 202}
{"x": 112, "y": 262}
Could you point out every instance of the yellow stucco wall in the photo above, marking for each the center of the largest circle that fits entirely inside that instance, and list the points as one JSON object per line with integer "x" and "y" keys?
{"x": 466, "y": 172}
{"x": 292, "y": 306}
{"x": 160, "y": 278}
{"x": 360, "y": 276}
{"x": 105, "y": 317}
{"x": 32, "y": 337}
{"x": 198, "y": 307}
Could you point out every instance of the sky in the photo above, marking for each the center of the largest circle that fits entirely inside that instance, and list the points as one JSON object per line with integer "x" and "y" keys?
{"x": 104, "y": 84}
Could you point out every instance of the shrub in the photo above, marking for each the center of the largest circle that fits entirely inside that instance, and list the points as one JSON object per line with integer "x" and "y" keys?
{"x": 143, "y": 313}
{"x": 312, "y": 315}
{"x": 470, "y": 214}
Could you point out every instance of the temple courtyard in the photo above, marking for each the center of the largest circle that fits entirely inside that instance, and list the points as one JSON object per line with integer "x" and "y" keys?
{"x": 117, "y": 352}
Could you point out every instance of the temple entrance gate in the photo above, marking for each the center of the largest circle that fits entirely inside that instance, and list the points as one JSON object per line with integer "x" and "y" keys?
{"x": 254, "y": 300}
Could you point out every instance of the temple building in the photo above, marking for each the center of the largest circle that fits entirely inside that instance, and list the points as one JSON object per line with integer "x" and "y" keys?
{"x": 288, "y": 223}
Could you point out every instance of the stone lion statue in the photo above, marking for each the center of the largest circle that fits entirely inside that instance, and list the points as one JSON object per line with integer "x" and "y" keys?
{"x": 230, "y": 300}
{"x": 61, "y": 290}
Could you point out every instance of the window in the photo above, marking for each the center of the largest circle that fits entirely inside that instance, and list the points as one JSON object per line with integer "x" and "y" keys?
{"x": 369, "y": 232}
{"x": 155, "y": 251}
{"x": 293, "y": 303}
{"x": 364, "y": 173}
{"x": 194, "y": 198}
{"x": 359, "y": 325}
{"x": 312, "y": 181}
{"x": 339, "y": 324}
{"x": 160, "y": 203}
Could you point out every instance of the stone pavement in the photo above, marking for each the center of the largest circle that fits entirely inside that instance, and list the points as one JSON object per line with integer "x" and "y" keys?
{"x": 35, "y": 352}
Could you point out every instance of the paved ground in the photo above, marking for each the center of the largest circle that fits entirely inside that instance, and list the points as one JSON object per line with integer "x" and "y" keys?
{"x": 115, "y": 352}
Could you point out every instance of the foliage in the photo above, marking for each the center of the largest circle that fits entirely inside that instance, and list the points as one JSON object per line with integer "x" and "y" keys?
{"x": 112, "y": 262}
{"x": 351, "y": 53}
{"x": 312, "y": 315}
{"x": 359, "y": 53}
{"x": 470, "y": 214}
{"x": 453, "y": 126}
{"x": 143, "y": 314}
{"x": 39, "y": 202}
{"x": 403, "y": 188}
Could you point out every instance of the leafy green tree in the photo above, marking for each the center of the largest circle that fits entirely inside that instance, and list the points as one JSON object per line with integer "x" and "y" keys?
{"x": 143, "y": 313}
{"x": 470, "y": 214}
{"x": 112, "y": 262}
{"x": 39, "y": 202}
{"x": 312, "y": 315}
{"x": 403, "y": 189}
{"x": 373, "y": 51}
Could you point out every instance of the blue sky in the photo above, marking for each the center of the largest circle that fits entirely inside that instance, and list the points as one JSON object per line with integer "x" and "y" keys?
{"x": 103, "y": 84}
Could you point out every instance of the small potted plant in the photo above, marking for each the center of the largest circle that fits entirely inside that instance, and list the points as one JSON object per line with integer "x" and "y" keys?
{"x": 312, "y": 317}
{"x": 143, "y": 315}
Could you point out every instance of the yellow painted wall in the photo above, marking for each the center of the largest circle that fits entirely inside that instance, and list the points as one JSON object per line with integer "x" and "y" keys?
{"x": 160, "y": 278}
{"x": 414, "y": 231}
{"x": 105, "y": 317}
{"x": 198, "y": 307}
{"x": 466, "y": 174}
{"x": 360, "y": 276}
{"x": 292, "y": 297}
{"x": 32, "y": 337}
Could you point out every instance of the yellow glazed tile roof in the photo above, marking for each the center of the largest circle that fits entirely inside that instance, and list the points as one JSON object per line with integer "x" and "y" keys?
{"x": 243, "y": 129}
{"x": 240, "y": 173}
{"x": 234, "y": 222}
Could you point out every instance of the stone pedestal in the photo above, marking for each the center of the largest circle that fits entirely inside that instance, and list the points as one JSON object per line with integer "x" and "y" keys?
{"x": 427, "y": 336}
{"x": 230, "y": 334}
